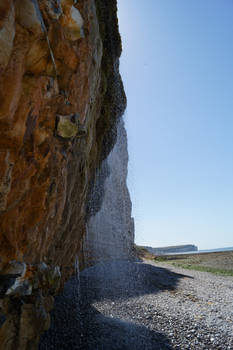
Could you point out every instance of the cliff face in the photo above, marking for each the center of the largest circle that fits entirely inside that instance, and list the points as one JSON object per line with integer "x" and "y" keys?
{"x": 59, "y": 64}
{"x": 60, "y": 97}
{"x": 110, "y": 232}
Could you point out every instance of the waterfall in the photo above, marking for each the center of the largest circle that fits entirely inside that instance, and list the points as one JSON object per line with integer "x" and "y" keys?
{"x": 106, "y": 249}
{"x": 110, "y": 229}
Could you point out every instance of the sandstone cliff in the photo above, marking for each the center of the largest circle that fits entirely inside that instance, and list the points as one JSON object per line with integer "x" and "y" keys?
{"x": 60, "y": 97}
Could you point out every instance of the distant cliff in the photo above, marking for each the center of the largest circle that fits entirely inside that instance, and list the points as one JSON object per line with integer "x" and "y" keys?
{"x": 172, "y": 249}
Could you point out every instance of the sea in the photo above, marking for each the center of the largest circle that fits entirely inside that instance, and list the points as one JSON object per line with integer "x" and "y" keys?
{"x": 205, "y": 251}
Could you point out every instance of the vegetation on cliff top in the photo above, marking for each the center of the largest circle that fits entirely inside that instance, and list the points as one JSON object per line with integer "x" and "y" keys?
{"x": 220, "y": 263}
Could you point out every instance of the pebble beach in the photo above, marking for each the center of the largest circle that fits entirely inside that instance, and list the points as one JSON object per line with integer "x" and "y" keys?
{"x": 143, "y": 305}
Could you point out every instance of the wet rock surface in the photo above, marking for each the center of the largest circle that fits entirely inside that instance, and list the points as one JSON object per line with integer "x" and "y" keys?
{"x": 134, "y": 305}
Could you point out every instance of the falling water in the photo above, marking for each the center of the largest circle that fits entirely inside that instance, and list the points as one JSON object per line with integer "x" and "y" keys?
{"x": 107, "y": 249}
{"x": 66, "y": 330}
{"x": 92, "y": 319}
{"x": 77, "y": 279}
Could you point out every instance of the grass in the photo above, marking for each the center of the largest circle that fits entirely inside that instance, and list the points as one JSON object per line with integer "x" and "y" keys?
{"x": 143, "y": 253}
{"x": 218, "y": 263}
{"x": 162, "y": 259}
{"x": 213, "y": 270}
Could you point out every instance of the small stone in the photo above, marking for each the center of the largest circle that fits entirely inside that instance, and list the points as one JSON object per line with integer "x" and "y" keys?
{"x": 65, "y": 127}
{"x": 20, "y": 287}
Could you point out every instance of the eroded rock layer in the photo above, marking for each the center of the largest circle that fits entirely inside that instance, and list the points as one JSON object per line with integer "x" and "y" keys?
{"x": 60, "y": 97}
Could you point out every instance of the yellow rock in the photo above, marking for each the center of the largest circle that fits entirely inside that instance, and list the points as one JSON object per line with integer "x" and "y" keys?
{"x": 66, "y": 128}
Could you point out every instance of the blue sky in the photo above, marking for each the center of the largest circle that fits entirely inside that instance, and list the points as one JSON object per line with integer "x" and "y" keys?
{"x": 177, "y": 68}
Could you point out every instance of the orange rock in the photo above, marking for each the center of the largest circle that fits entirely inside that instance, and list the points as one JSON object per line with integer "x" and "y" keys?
{"x": 71, "y": 20}
{"x": 44, "y": 178}
{"x": 38, "y": 57}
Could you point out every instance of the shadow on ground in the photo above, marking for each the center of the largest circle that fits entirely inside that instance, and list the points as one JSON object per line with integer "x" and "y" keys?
{"x": 77, "y": 324}
{"x": 124, "y": 279}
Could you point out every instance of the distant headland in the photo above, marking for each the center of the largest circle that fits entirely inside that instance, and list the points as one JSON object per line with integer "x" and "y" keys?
{"x": 172, "y": 249}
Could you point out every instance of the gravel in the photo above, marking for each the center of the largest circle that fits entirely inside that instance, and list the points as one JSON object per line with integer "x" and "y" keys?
{"x": 139, "y": 305}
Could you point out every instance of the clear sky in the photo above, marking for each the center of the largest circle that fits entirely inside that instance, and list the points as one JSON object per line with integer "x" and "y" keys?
{"x": 177, "y": 68}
